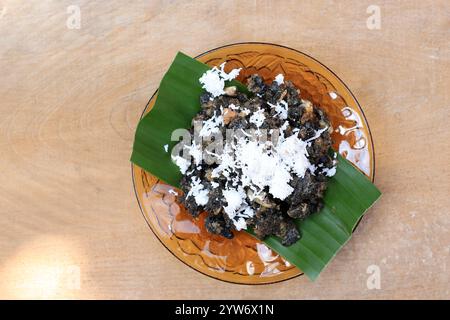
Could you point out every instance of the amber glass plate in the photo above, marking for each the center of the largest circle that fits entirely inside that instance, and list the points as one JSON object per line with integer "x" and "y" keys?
{"x": 244, "y": 259}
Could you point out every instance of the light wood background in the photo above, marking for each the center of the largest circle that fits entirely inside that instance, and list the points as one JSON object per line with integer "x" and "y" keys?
{"x": 70, "y": 100}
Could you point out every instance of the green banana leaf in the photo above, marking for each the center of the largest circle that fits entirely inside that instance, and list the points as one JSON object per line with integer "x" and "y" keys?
{"x": 349, "y": 194}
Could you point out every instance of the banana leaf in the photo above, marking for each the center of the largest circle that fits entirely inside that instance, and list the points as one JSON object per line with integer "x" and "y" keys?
{"x": 349, "y": 194}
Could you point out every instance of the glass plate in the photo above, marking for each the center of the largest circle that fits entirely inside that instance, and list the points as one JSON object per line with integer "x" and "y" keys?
{"x": 244, "y": 259}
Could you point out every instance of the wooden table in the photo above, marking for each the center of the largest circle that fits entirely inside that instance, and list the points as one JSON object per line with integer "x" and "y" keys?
{"x": 71, "y": 98}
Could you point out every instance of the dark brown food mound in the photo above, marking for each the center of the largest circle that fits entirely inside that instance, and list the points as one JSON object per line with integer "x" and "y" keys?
{"x": 272, "y": 216}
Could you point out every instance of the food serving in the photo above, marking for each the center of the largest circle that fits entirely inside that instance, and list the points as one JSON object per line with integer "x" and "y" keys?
{"x": 257, "y": 160}
{"x": 273, "y": 162}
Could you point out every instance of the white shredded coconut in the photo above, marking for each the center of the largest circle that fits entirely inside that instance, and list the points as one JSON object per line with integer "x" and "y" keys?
{"x": 198, "y": 192}
{"x": 271, "y": 167}
{"x": 263, "y": 167}
{"x": 226, "y": 165}
{"x": 247, "y": 163}
{"x": 258, "y": 118}
{"x": 241, "y": 215}
{"x": 171, "y": 191}
{"x": 213, "y": 80}
{"x": 182, "y": 163}
{"x": 248, "y": 212}
{"x": 195, "y": 150}
{"x": 211, "y": 126}
{"x": 232, "y": 106}
{"x": 215, "y": 184}
{"x": 317, "y": 134}
{"x": 166, "y": 147}
{"x": 293, "y": 154}
{"x": 231, "y": 75}
{"x": 234, "y": 199}
{"x": 240, "y": 224}
{"x": 329, "y": 172}
{"x": 279, "y": 185}
{"x": 281, "y": 108}
{"x": 333, "y": 95}
{"x": 279, "y": 79}
{"x": 246, "y": 111}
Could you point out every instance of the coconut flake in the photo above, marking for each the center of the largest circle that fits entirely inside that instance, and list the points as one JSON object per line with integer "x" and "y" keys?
{"x": 166, "y": 147}
{"x": 279, "y": 186}
{"x": 227, "y": 163}
{"x": 329, "y": 172}
{"x": 317, "y": 134}
{"x": 248, "y": 212}
{"x": 182, "y": 163}
{"x": 234, "y": 200}
{"x": 195, "y": 150}
{"x": 231, "y": 75}
{"x": 215, "y": 184}
{"x": 213, "y": 80}
{"x": 198, "y": 192}
{"x": 244, "y": 213}
{"x": 240, "y": 224}
{"x": 258, "y": 118}
{"x": 293, "y": 154}
{"x": 211, "y": 126}
{"x": 281, "y": 108}
{"x": 279, "y": 79}
{"x": 246, "y": 111}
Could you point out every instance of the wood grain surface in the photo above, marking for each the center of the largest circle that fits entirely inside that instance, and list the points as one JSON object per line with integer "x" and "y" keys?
{"x": 70, "y": 99}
